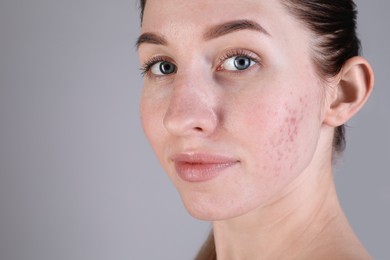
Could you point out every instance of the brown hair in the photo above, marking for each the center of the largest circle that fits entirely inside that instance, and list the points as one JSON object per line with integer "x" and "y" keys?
{"x": 333, "y": 24}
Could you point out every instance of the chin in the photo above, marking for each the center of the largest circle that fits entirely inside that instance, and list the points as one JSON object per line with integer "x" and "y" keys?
{"x": 207, "y": 214}
{"x": 212, "y": 208}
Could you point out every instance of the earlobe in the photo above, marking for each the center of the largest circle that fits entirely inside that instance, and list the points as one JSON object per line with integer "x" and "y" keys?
{"x": 355, "y": 83}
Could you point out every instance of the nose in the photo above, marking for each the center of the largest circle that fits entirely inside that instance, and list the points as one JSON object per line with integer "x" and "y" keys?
{"x": 191, "y": 111}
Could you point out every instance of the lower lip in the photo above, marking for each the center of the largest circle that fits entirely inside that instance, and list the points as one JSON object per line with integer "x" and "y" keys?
{"x": 201, "y": 172}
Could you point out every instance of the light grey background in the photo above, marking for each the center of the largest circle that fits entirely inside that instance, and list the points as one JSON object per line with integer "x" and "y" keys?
{"x": 78, "y": 180}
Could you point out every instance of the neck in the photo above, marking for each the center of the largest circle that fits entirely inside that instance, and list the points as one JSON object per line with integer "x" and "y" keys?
{"x": 305, "y": 216}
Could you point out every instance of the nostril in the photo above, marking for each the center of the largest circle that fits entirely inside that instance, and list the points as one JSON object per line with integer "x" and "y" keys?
{"x": 198, "y": 129}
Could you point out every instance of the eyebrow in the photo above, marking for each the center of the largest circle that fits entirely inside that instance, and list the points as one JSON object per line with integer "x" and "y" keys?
{"x": 151, "y": 38}
{"x": 233, "y": 26}
{"x": 211, "y": 33}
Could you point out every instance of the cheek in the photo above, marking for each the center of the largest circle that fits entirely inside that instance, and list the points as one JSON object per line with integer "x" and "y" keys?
{"x": 151, "y": 119}
{"x": 289, "y": 140}
{"x": 146, "y": 112}
{"x": 282, "y": 135}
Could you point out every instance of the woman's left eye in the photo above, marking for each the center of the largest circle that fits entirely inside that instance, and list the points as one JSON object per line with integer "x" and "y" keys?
{"x": 237, "y": 63}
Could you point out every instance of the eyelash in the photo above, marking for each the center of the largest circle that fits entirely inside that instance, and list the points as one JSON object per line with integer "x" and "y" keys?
{"x": 240, "y": 53}
{"x": 146, "y": 67}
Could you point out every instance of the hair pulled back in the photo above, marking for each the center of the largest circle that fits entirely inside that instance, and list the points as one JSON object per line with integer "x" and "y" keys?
{"x": 333, "y": 25}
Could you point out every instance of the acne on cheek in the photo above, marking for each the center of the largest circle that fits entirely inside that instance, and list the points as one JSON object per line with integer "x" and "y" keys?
{"x": 286, "y": 144}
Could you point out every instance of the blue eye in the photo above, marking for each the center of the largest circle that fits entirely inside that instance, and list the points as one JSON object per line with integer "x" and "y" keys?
{"x": 163, "y": 68}
{"x": 238, "y": 63}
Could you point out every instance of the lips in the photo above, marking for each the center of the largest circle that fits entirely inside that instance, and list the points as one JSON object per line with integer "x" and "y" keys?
{"x": 197, "y": 167}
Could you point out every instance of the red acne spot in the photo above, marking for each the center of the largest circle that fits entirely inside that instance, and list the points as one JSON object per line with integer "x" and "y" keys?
{"x": 294, "y": 111}
{"x": 292, "y": 128}
{"x": 293, "y": 120}
{"x": 280, "y": 155}
{"x": 293, "y": 134}
{"x": 277, "y": 170}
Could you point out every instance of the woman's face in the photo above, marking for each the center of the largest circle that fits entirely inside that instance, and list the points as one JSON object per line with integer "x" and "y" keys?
{"x": 231, "y": 104}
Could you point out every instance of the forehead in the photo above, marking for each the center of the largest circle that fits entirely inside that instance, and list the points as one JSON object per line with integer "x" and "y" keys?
{"x": 183, "y": 22}
{"x": 166, "y": 15}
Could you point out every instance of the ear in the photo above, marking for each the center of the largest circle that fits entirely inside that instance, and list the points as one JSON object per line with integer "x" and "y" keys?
{"x": 355, "y": 83}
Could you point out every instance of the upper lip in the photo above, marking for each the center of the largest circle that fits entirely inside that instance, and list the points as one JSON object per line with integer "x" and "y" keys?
{"x": 202, "y": 158}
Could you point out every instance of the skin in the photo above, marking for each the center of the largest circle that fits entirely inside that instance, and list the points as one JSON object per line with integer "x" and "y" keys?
{"x": 275, "y": 119}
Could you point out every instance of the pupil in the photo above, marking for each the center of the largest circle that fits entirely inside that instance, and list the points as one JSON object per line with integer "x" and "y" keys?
{"x": 241, "y": 63}
{"x": 167, "y": 68}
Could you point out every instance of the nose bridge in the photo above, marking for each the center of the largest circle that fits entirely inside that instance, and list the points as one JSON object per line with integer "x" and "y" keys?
{"x": 192, "y": 106}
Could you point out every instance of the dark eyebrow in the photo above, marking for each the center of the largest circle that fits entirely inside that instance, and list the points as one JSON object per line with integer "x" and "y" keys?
{"x": 233, "y": 26}
{"x": 211, "y": 33}
{"x": 151, "y": 38}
